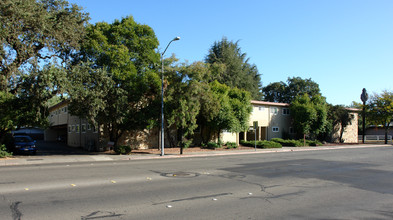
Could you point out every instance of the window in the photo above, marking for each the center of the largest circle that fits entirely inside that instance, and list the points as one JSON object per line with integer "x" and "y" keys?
{"x": 285, "y": 111}
{"x": 69, "y": 128}
{"x": 274, "y": 110}
{"x": 73, "y": 128}
{"x": 275, "y": 129}
{"x": 261, "y": 108}
{"x": 77, "y": 128}
{"x": 89, "y": 127}
{"x": 291, "y": 130}
{"x": 83, "y": 128}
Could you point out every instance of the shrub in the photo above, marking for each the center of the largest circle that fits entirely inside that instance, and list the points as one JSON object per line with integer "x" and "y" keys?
{"x": 268, "y": 144}
{"x": 261, "y": 144}
{"x": 4, "y": 152}
{"x": 213, "y": 145}
{"x": 122, "y": 149}
{"x": 313, "y": 143}
{"x": 231, "y": 145}
{"x": 288, "y": 143}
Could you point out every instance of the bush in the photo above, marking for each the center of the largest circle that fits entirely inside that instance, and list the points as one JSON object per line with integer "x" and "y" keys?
{"x": 213, "y": 145}
{"x": 231, "y": 145}
{"x": 4, "y": 152}
{"x": 288, "y": 143}
{"x": 122, "y": 149}
{"x": 313, "y": 143}
{"x": 261, "y": 144}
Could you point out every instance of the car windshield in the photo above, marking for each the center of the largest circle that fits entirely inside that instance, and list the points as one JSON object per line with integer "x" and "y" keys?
{"x": 23, "y": 139}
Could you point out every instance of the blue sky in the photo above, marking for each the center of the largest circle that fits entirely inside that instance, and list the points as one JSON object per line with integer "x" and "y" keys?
{"x": 343, "y": 45}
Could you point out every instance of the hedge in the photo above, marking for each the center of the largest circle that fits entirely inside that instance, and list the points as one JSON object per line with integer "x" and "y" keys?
{"x": 261, "y": 144}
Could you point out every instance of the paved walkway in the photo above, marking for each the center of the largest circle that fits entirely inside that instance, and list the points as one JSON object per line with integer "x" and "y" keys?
{"x": 82, "y": 156}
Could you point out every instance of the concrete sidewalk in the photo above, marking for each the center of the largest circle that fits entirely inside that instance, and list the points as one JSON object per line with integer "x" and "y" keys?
{"x": 53, "y": 159}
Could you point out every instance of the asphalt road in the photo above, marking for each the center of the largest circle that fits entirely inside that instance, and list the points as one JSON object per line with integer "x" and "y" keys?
{"x": 328, "y": 184}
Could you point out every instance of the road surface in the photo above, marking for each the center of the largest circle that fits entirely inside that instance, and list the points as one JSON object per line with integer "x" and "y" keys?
{"x": 328, "y": 184}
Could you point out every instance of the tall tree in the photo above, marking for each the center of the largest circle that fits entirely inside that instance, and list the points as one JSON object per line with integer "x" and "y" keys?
{"x": 236, "y": 71}
{"x": 309, "y": 115}
{"x": 127, "y": 52}
{"x": 231, "y": 112}
{"x": 182, "y": 101}
{"x": 287, "y": 92}
{"x": 34, "y": 35}
{"x": 381, "y": 110}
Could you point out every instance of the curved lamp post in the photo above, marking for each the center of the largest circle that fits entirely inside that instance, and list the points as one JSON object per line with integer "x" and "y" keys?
{"x": 162, "y": 95}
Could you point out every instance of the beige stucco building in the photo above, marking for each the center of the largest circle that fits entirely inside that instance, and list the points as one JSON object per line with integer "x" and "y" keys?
{"x": 273, "y": 120}
{"x": 64, "y": 127}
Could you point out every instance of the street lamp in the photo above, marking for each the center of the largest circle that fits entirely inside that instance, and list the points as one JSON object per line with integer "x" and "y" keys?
{"x": 162, "y": 95}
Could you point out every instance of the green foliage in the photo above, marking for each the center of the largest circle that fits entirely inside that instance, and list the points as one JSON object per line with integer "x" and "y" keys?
{"x": 309, "y": 115}
{"x": 288, "y": 143}
{"x": 213, "y": 145}
{"x": 231, "y": 67}
{"x": 228, "y": 108}
{"x": 35, "y": 35}
{"x": 312, "y": 143}
{"x": 380, "y": 110}
{"x": 231, "y": 145}
{"x": 122, "y": 149}
{"x": 118, "y": 88}
{"x": 296, "y": 143}
{"x": 4, "y": 152}
{"x": 287, "y": 92}
{"x": 261, "y": 144}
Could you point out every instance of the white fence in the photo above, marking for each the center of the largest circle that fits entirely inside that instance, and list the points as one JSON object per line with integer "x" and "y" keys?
{"x": 375, "y": 138}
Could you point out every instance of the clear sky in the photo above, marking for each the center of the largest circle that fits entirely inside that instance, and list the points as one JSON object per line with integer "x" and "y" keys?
{"x": 343, "y": 45}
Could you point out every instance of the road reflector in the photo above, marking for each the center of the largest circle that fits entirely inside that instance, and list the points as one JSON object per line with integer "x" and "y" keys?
{"x": 26, "y": 189}
{"x": 113, "y": 181}
{"x": 148, "y": 178}
{"x": 73, "y": 185}
{"x": 169, "y": 206}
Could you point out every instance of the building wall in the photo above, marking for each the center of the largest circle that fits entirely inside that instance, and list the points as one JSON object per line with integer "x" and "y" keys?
{"x": 350, "y": 134}
{"x": 274, "y": 121}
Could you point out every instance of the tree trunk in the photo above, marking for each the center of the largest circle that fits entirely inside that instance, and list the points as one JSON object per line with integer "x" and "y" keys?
{"x": 341, "y": 134}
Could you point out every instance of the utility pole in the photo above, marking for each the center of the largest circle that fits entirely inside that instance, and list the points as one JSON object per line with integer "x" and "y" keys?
{"x": 364, "y": 98}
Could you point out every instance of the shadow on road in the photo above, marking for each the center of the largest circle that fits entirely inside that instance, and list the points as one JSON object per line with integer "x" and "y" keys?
{"x": 59, "y": 148}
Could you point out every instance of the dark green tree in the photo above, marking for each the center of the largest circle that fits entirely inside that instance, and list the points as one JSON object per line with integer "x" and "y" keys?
{"x": 380, "y": 110}
{"x": 287, "y": 92}
{"x": 182, "y": 101}
{"x": 127, "y": 52}
{"x": 35, "y": 35}
{"x": 232, "y": 67}
{"x": 231, "y": 111}
{"x": 309, "y": 115}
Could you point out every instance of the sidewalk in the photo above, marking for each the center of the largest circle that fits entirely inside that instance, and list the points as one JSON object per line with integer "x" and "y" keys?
{"x": 53, "y": 159}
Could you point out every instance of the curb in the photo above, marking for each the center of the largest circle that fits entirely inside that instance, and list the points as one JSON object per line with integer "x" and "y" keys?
{"x": 99, "y": 158}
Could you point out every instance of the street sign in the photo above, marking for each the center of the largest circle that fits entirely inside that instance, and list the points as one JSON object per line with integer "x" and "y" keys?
{"x": 255, "y": 123}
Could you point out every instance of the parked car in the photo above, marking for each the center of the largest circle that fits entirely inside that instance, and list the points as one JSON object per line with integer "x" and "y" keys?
{"x": 24, "y": 144}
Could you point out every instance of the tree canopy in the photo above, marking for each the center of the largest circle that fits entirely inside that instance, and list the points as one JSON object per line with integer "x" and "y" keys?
{"x": 380, "y": 110}
{"x": 287, "y": 92}
{"x": 309, "y": 115}
{"x": 34, "y": 36}
{"x": 122, "y": 57}
{"x": 232, "y": 67}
